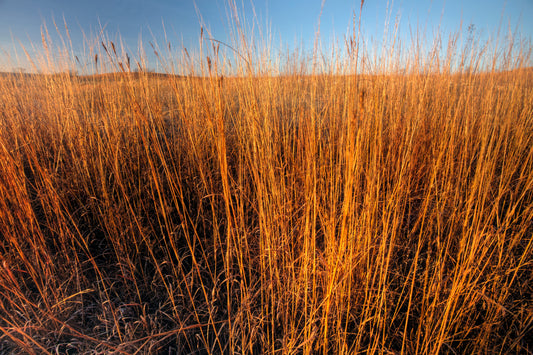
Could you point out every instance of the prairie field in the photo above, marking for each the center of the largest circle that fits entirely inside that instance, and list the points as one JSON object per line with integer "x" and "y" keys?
{"x": 374, "y": 210}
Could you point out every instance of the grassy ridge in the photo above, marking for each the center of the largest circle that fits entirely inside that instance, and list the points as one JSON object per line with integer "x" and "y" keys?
{"x": 300, "y": 213}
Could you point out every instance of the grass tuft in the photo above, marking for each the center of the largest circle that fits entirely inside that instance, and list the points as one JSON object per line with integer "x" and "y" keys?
{"x": 248, "y": 211}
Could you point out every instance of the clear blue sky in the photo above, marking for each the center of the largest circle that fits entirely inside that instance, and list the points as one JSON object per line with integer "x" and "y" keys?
{"x": 292, "y": 22}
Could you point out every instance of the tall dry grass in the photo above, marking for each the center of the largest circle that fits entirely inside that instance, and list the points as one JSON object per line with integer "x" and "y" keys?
{"x": 312, "y": 212}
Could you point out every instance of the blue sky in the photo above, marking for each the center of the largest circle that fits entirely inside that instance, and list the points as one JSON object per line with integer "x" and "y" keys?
{"x": 292, "y": 23}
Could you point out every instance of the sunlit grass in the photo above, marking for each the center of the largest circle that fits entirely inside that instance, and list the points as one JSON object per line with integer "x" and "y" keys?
{"x": 298, "y": 213}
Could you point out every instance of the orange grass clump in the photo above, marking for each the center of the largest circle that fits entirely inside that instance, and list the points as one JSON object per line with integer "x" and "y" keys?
{"x": 382, "y": 212}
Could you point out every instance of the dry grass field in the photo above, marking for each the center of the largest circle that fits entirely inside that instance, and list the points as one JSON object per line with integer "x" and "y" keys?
{"x": 312, "y": 212}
